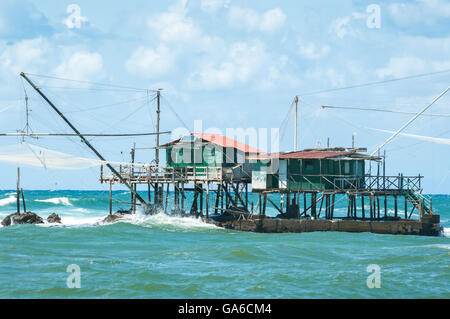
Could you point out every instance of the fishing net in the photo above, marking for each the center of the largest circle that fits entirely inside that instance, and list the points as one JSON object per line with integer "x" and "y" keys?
{"x": 438, "y": 140}
{"x": 32, "y": 155}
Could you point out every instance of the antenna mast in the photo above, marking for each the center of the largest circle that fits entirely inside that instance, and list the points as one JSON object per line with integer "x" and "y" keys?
{"x": 295, "y": 123}
{"x": 158, "y": 101}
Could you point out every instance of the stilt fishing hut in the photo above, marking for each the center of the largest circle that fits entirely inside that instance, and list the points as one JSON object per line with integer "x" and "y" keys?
{"x": 202, "y": 163}
{"x": 325, "y": 173}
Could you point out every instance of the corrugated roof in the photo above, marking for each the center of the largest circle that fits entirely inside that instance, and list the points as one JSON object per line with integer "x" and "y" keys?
{"x": 224, "y": 141}
{"x": 217, "y": 139}
{"x": 304, "y": 155}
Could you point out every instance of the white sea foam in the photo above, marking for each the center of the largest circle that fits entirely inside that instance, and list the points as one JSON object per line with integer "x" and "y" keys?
{"x": 56, "y": 200}
{"x": 70, "y": 221}
{"x": 175, "y": 223}
{"x": 446, "y": 232}
{"x": 9, "y": 200}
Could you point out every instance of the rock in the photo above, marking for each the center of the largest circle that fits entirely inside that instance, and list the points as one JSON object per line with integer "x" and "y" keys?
{"x": 116, "y": 216}
{"x": 26, "y": 218}
{"x": 54, "y": 218}
{"x": 9, "y": 219}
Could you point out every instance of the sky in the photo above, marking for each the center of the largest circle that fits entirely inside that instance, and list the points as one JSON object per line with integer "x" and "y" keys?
{"x": 230, "y": 64}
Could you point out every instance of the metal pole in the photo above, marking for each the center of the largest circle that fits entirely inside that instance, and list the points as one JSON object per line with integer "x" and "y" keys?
{"x": 295, "y": 125}
{"x": 122, "y": 180}
{"x": 158, "y": 101}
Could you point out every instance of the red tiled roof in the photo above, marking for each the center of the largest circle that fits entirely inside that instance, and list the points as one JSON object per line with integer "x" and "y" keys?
{"x": 227, "y": 142}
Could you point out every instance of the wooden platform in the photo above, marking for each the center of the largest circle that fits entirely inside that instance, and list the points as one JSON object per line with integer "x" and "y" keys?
{"x": 426, "y": 227}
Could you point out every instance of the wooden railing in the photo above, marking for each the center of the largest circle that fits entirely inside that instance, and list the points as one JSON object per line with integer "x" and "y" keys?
{"x": 153, "y": 173}
{"x": 353, "y": 182}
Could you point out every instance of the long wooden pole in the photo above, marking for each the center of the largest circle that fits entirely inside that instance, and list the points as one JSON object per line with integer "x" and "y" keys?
{"x": 122, "y": 180}
{"x": 23, "y": 201}
{"x": 18, "y": 190}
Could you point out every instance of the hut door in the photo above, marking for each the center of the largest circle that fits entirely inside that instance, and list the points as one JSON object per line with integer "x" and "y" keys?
{"x": 282, "y": 174}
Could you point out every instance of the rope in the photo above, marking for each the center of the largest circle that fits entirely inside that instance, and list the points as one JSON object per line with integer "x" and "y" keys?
{"x": 375, "y": 83}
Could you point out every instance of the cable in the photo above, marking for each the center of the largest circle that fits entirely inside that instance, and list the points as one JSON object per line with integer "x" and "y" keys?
{"x": 381, "y": 110}
{"x": 88, "y": 82}
{"x": 176, "y": 114}
{"x": 374, "y": 83}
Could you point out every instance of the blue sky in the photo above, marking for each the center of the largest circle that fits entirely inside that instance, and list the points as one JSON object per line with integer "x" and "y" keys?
{"x": 230, "y": 64}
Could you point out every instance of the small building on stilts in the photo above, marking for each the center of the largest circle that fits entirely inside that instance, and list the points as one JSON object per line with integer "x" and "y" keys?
{"x": 213, "y": 167}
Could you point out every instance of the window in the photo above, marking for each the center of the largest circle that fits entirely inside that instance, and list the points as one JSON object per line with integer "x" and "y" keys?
{"x": 346, "y": 167}
{"x": 309, "y": 166}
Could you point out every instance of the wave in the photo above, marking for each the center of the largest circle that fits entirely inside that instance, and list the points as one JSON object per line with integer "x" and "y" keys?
{"x": 446, "y": 232}
{"x": 6, "y": 201}
{"x": 69, "y": 221}
{"x": 171, "y": 223}
{"x": 56, "y": 200}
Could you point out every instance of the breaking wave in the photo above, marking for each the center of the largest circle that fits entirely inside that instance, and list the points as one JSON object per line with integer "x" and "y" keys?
{"x": 57, "y": 201}
{"x": 446, "y": 232}
{"x": 9, "y": 200}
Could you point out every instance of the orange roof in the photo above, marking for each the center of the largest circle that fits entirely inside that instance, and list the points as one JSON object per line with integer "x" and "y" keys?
{"x": 227, "y": 142}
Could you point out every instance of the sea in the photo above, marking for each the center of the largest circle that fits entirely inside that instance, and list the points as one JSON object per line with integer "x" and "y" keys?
{"x": 160, "y": 256}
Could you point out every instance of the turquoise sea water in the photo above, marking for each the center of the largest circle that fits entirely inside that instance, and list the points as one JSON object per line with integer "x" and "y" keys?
{"x": 168, "y": 257}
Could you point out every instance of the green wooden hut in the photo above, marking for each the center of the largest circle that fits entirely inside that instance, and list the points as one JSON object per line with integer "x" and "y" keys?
{"x": 313, "y": 169}
{"x": 198, "y": 151}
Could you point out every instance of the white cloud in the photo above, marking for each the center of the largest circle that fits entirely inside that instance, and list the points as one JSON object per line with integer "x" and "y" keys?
{"x": 272, "y": 20}
{"x": 408, "y": 65}
{"x": 179, "y": 37}
{"x": 25, "y": 56}
{"x": 80, "y": 66}
{"x": 421, "y": 11}
{"x": 345, "y": 26}
{"x": 312, "y": 52}
{"x": 326, "y": 75}
{"x": 174, "y": 26}
{"x": 212, "y": 6}
{"x": 148, "y": 62}
{"x": 249, "y": 19}
{"x": 243, "y": 61}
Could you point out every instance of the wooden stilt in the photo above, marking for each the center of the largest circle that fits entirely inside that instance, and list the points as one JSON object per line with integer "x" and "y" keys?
{"x": 23, "y": 201}
{"x": 332, "y": 206}
{"x": 378, "y": 207}
{"x": 259, "y": 204}
{"x": 149, "y": 193}
{"x": 217, "y": 199}
{"x": 207, "y": 200}
{"x": 313, "y": 204}
{"x": 395, "y": 206}
{"x": 406, "y": 207}
{"x": 182, "y": 197}
{"x": 265, "y": 204}
{"x": 362, "y": 207}
{"x": 167, "y": 198}
{"x": 201, "y": 200}
{"x": 110, "y": 198}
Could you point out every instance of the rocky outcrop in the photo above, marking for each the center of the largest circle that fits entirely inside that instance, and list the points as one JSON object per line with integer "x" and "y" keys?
{"x": 54, "y": 219}
{"x": 8, "y": 220}
{"x": 26, "y": 218}
{"x": 116, "y": 216}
